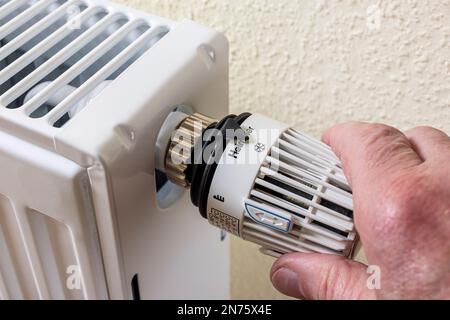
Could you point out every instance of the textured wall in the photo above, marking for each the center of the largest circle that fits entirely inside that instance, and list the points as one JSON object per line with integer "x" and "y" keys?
{"x": 313, "y": 63}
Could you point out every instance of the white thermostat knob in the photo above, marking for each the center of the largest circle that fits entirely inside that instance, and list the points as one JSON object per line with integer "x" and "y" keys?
{"x": 267, "y": 183}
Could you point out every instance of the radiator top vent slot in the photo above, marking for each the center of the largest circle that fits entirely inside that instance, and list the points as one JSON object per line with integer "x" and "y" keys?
{"x": 57, "y": 55}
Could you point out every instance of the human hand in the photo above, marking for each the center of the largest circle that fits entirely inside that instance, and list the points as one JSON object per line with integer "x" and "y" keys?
{"x": 401, "y": 195}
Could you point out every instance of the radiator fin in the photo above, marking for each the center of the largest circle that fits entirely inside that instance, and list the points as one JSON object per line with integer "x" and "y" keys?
{"x": 9, "y": 282}
{"x": 38, "y": 258}
{"x": 14, "y": 267}
{"x": 57, "y": 55}
{"x": 56, "y": 252}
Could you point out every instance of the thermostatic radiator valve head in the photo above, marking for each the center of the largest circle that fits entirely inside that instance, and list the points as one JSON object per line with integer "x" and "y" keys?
{"x": 263, "y": 181}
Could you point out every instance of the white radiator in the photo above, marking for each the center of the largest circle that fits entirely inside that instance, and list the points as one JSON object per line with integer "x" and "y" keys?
{"x": 84, "y": 88}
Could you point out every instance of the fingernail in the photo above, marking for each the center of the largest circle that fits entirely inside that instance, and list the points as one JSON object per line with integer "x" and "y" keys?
{"x": 286, "y": 281}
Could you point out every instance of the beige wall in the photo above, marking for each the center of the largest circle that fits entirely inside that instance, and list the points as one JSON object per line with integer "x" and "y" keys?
{"x": 313, "y": 63}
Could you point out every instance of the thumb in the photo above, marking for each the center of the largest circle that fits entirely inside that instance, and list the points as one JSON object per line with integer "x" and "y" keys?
{"x": 320, "y": 276}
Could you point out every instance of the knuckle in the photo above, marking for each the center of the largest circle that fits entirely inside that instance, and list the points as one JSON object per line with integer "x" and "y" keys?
{"x": 376, "y": 132}
{"x": 429, "y": 132}
{"x": 422, "y": 129}
{"x": 382, "y": 141}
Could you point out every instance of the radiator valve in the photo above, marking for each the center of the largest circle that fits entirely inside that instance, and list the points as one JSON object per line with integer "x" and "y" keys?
{"x": 263, "y": 181}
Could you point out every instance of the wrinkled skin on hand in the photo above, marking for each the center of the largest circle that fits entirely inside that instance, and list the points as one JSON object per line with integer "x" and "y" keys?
{"x": 401, "y": 194}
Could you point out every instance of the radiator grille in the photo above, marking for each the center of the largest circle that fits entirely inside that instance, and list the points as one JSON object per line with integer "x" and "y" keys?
{"x": 57, "y": 55}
